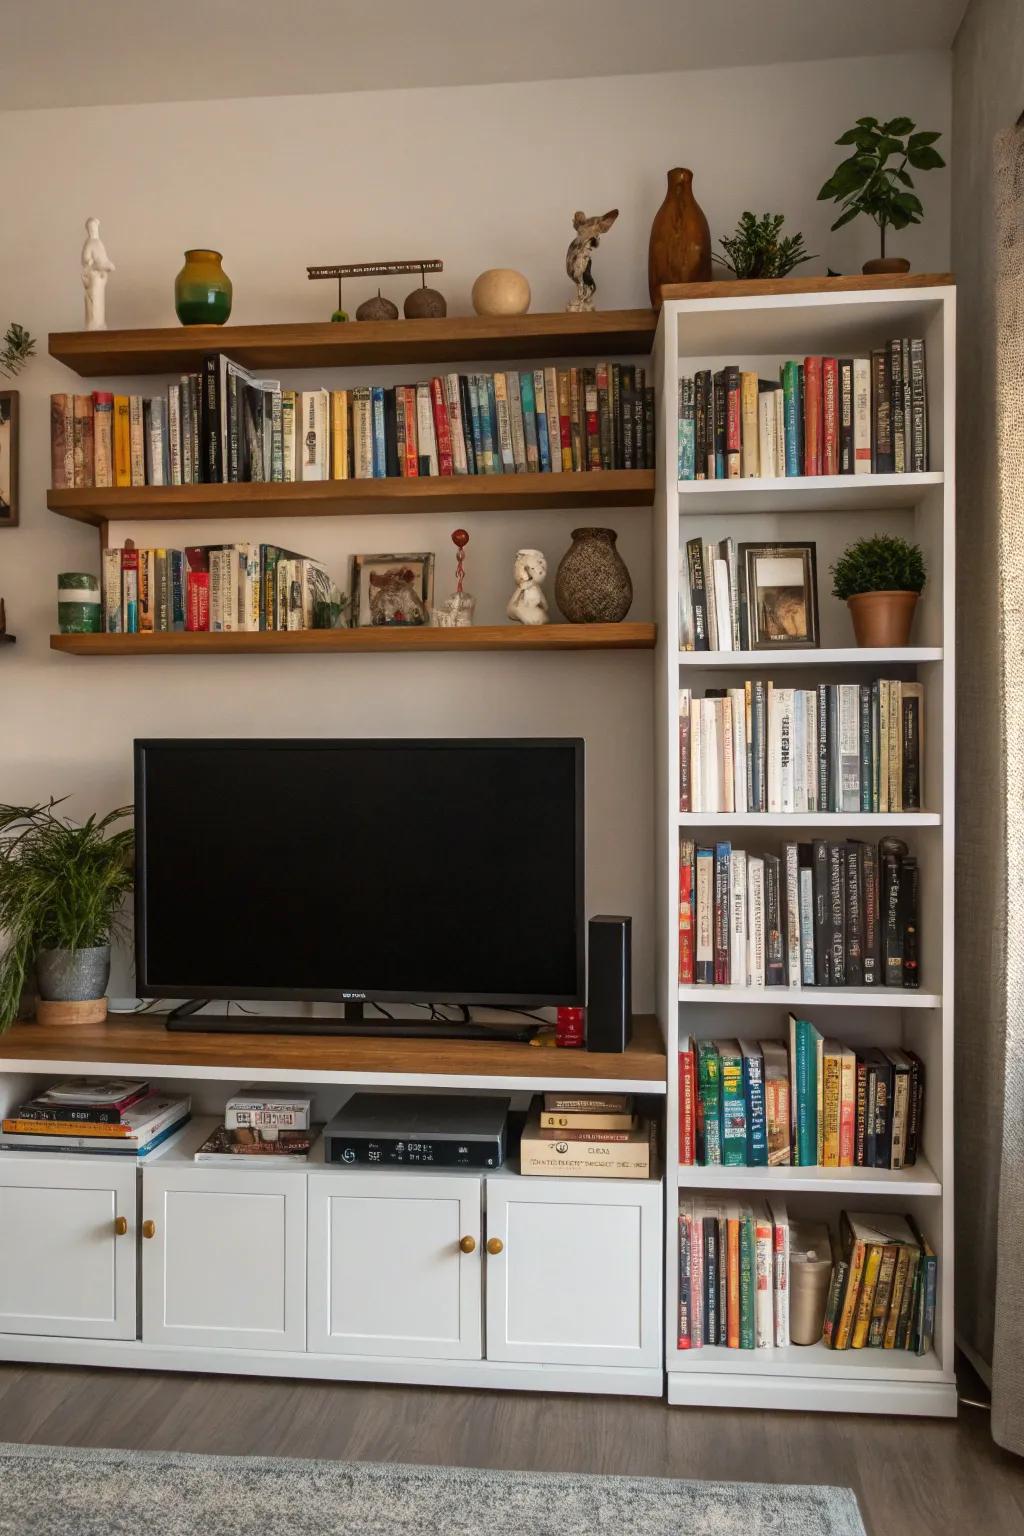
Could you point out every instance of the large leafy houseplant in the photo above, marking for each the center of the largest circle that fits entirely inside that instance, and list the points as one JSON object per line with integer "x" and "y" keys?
{"x": 874, "y": 179}
{"x": 62, "y": 887}
{"x": 880, "y": 580}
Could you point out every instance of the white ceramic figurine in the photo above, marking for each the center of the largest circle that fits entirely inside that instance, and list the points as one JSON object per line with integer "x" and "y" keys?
{"x": 96, "y": 266}
{"x": 528, "y": 605}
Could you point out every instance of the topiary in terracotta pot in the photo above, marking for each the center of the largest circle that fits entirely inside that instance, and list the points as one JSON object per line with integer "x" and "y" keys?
{"x": 880, "y": 580}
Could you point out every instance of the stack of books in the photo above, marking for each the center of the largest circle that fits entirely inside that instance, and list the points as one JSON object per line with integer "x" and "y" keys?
{"x": 820, "y": 914}
{"x": 263, "y": 1127}
{"x": 217, "y": 587}
{"x": 225, "y": 425}
{"x": 883, "y": 1285}
{"x": 588, "y": 1136}
{"x": 822, "y": 416}
{"x": 117, "y": 1117}
{"x": 836, "y": 747}
{"x": 812, "y": 1103}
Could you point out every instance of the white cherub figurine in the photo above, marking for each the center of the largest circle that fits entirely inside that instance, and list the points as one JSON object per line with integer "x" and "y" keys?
{"x": 96, "y": 266}
{"x": 528, "y": 605}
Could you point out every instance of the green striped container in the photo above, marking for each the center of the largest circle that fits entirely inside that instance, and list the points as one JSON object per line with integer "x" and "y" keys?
{"x": 79, "y": 609}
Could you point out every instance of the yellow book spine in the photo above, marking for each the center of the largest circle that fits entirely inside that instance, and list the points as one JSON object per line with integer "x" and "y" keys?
{"x": 339, "y": 434}
{"x": 16, "y": 1127}
{"x": 831, "y": 1095}
{"x": 899, "y": 1283}
{"x": 849, "y": 1308}
{"x": 122, "y": 442}
{"x": 751, "y": 462}
{"x": 732, "y": 1292}
{"x": 865, "y": 1300}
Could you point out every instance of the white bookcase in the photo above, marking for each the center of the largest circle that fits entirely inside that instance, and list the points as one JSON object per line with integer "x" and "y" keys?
{"x": 759, "y": 333}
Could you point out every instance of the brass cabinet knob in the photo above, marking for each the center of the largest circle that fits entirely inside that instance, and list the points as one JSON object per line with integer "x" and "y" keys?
{"x": 120, "y": 1225}
{"x": 149, "y": 1229}
{"x": 468, "y": 1244}
{"x": 494, "y": 1245}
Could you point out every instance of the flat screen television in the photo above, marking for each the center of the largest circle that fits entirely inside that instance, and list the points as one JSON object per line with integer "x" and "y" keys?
{"x": 337, "y": 871}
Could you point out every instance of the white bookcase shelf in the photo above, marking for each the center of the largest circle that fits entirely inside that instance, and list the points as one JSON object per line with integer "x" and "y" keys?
{"x": 758, "y": 332}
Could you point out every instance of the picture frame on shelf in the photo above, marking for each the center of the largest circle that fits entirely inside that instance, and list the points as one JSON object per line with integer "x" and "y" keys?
{"x": 391, "y": 590}
{"x": 781, "y": 582}
{"x": 8, "y": 458}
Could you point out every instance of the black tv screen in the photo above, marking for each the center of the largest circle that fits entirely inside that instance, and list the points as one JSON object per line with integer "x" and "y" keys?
{"x": 432, "y": 871}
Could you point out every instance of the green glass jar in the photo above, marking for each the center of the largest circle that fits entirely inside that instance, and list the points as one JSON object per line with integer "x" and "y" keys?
{"x": 202, "y": 290}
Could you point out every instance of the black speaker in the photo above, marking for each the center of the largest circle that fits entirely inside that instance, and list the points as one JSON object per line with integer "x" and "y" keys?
{"x": 609, "y": 983}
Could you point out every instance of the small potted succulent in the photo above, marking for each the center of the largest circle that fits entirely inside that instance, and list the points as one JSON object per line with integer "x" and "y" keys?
{"x": 759, "y": 249}
{"x": 62, "y": 888}
{"x": 880, "y": 580}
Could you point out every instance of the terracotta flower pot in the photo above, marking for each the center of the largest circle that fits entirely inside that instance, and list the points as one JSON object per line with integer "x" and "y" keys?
{"x": 882, "y": 618}
{"x": 884, "y": 264}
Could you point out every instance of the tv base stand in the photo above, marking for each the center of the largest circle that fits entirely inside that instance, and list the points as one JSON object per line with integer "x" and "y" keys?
{"x": 187, "y": 1017}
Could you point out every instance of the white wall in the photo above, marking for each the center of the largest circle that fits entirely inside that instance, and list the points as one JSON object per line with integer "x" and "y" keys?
{"x": 479, "y": 177}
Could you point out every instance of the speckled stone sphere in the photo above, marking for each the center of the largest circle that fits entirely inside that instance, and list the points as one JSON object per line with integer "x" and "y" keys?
{"x": 501, "y": 291}
{"x": 593, "y": 585}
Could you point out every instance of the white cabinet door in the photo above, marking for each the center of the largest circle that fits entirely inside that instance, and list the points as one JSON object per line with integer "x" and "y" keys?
{"x": 577, "y": 1280}
{"x": 225, "y": 1264}
{"x": 387, "y": 1274}
{"x": 68, "y": 1229}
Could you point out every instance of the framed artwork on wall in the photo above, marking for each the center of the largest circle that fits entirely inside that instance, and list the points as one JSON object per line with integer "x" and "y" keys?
{"x": 391, "y": 589}
{"x": 8, "y": 458}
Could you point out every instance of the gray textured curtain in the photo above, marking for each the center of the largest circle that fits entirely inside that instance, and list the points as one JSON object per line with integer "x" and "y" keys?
{"x": 1008, "y": 1351}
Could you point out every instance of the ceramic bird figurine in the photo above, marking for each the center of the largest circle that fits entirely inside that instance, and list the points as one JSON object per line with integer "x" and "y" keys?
{"x": 577, "y": 257}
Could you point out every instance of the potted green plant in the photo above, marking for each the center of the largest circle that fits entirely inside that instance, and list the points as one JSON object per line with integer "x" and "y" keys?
{"x": 758, "y": 249}
{"x": 880, "y": 580}
{"x": 866, "y": 182}
{"x": 62, "y": 888}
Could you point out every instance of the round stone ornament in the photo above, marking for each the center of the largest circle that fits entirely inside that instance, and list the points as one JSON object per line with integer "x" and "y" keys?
{"x": 501, "y": 291}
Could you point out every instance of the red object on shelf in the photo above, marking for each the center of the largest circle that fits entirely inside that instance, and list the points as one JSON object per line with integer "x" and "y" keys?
{"x": 569, "y": 1026}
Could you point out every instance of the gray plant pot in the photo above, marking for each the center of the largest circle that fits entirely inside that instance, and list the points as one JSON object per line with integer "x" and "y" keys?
{"x": 73, "y": 975}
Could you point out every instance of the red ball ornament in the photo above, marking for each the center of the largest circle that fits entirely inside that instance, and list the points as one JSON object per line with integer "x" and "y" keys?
{"x": 460, "y": 538}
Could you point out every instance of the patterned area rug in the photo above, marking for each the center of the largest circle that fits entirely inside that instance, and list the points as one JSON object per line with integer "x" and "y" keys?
{"x": 46, "y": 1489}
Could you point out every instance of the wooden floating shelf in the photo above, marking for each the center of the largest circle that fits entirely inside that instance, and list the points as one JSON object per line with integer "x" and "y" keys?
{"x": 345, "y": 498}
{"x": 463, "y": 338}
{"x": 808, "y": 493}
{"x": 773, "y": 287}
{"x": 814, "y": 656}
{"x": 320, "y": 642}
{"x": 132, "y": 1044}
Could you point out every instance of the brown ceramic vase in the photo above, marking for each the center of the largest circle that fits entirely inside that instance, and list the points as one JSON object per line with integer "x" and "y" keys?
{"x": 592, "y": 585}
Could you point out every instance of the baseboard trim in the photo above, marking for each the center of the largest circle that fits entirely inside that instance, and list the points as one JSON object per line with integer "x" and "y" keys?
{"x": 706, "y": 1389}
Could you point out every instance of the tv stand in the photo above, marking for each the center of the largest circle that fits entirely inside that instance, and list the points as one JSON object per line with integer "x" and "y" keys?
{"x": 187, "y": 1017}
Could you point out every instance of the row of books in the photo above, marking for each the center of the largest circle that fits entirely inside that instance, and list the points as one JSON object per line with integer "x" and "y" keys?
{"x": 736, "y": 1266}
{"x": 587, "y": 1136}
{"x": 226, "y": 425}
{"x": 820, "y": 914}
{"x": 266, "y": 1127}
{"x": 824, "y": 416}
{"x": 715, "y": 609}
{"x": 809, "y": 1103}
{"x": 116, "y": 1117}
{"x": 837, "y": 747}
{"x": 213, "y": 587}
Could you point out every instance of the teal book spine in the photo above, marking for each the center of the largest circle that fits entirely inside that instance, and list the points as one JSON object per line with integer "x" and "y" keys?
{"x": 529, "y": 405}
{"x": 490, "y": 413}
{"x": 791, "y": 415}
{"x": 806, "y": 1145}
{"x": 473, "y": 391}
{"x": 747, "y": 1281}
{"x": 709, "y": 1086}
{"x": 734, "y": 1111}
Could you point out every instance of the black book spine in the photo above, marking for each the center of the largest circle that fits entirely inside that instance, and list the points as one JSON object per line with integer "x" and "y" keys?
{"x": 909, "y": 895}
{"x": 235, "y": 434}
{"x": 824, "y": 804}
{"x": 876, "y": 748}
{"x": 918, "y": 409}
{"x": 774, "y": 942}
{"x": 882, "y": 459}
{"x": 883, "y": 1113}
{"x": 846, "y": 464}
{"x": 639, "y": 432}
{"x": 871, "y": 1096}
{"x": 837, "y": 914}
{"x": 710, "y": 1280}
{"x": 911, "y": 754}
{"x": 854, "y": 917}
{"x": 472, "y": 467}
{"x": 899, "y": 442}
{"x": 628, "y": 441}
{"x": 869, "y": 900}
{"x": 723, "y": 861}
{"x": 391, "y": 466}
{"x": 865, "y": 747}
{"x": 915, "y": 1119}
{"x": 702, "y": 392}
{"x": 615, "y": 412}
{"x": 212, "y": 465}
{"x": 822, "y": 908}
{"x": 892, "y": 935}
{"x": 649, "y": 427}
{"x": 698, "y": 593}
{"x": 720, "y": 412}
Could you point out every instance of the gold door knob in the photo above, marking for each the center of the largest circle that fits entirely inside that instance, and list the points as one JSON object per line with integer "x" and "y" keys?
{"x": 468, "y": 1244}
{"x": 494, "y": 1245}
{"x": 149, "y": 1229}
{"x": 120, "y": 1225}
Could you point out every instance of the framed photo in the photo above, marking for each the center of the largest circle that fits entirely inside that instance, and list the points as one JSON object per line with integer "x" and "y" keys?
{"x": 8, "y": 458}
{"x": 782, "y": 595}
{"x": 390, "y": 590}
